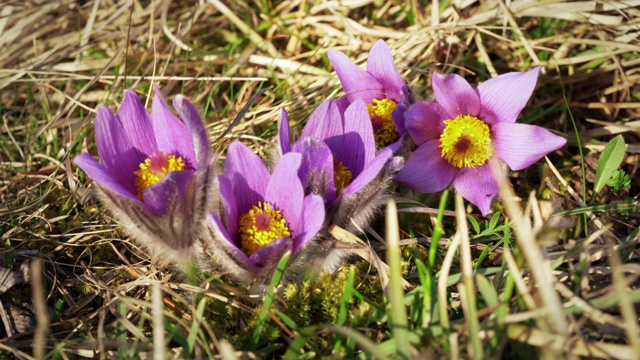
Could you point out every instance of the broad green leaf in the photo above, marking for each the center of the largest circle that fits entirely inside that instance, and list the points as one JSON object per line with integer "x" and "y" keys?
{"x": 609, "y": 162}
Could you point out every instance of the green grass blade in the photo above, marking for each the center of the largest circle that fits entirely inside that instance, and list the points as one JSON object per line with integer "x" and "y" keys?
{"x": 268, "y": 300}
{"x": 430, "y": 290}
{"x": 193, "y": 334}
{"x": 582, "y": 165}
{"x": 437, "y": 230}
{"x": 427, "y": 288}
{"x": 370, "y": 348}
{"x": 595, "y": 208}
{"x": 398, "y": 313}
{"x": 344, "y": 305}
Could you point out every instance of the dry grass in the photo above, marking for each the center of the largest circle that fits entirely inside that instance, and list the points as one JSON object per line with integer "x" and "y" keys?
{"x": 561, "y": 289}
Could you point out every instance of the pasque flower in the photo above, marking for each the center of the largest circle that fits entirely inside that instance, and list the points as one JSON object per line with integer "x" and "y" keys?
{"x": 262, "y": 215}
{"x": 155, "y": 172}
{"x": 381, "y": 88}
{"x": 339, "y": 162}
{"x": 465, "y": 127}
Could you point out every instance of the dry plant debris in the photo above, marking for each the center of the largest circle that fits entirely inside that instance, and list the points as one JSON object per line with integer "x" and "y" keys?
{"x": 556, "y": 276}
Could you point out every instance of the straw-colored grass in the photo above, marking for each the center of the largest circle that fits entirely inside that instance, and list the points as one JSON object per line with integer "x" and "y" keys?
{"x": 524, "y": 284}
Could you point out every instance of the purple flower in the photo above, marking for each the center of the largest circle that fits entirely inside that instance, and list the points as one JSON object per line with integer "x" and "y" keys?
{"x": 262, "y": 215}
{"x": 339, "y": 162}
{"x": 380, "y": 87}
{"x": 155, "y": 172}
{"x": 459, "y": 133}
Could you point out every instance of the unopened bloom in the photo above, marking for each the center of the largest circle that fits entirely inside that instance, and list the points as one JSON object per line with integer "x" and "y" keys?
{"x": 262, "y": 215}
{"x": 339, "y": 162}
{"x": 381, "y": 88}
{"x": 155, "y": 172}
{"x": 465, "y": 127}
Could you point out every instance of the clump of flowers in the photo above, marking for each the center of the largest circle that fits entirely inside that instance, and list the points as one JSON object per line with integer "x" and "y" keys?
{"x": 381, "y": 88}
{"x": 465, "y": 127}
{"x": 262, "y": 215}
{"x": 155, "y": 172}
{"x": 339, "y": 163}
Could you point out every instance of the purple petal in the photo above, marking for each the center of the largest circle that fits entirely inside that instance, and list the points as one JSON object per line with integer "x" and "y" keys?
{"x": 326, "y": 124}
{"x": 425, "y": 121}
{"x": 342, "y": 103}
{"x": 426, "y": 171}
{"x": 520, "y": 145}
{"x": 477, "y": 185}
{"x": 101, "y": 176}
{"x": 285, "y": 191}
{"x": 398, "y": 118}
{"x": 248, "y": 175}
{"x": 316, "y": 169}
{"x": 136, "y": 123}
{"x": 172, "y": 135}
{"x": 358, "y": 146}
{"x": 455, "y": 95}
{"x": 270, "y": 254}
{"x": 380, "y": 64}
{"x": 283, "y": 133}
{"x": 116, "y": 152}
{"x": 199, "y": 137}
{"x": 503, "y": 98}
{"x": 228, "y": 246}
{"x": 312, "y": 221}
{"x": 357, "y": 83}
{"x": 370, "y": 172}
{"x": 174, "y": 187}
{"x": 230, "y": 208}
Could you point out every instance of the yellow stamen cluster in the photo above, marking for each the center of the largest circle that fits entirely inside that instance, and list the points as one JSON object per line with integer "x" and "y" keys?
{"x": 342, "y": 176}
{"x": 154, "y": 168}
{"x": 466, "y": 141}
{"x": 260, "y": 226}
{"x": 384, "y": 129}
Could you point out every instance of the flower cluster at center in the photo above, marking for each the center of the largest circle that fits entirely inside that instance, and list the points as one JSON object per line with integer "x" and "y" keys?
{"x": 155, "y": 168}
{"x": 380, "y": 111}
{"x": 466, "y": 141}
{"x": 260, "y": 226}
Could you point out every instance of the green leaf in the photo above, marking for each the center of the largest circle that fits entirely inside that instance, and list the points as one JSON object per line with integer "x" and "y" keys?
{"x": 494, "y": 220}
{"x": 195, "y": 326}
{"x": 620, "y": 180}
{"x": 487, "y": 290}
{"x": 474, "y": 224}
{"x": 609, "y": 162}
{"x": 268, "y": 299}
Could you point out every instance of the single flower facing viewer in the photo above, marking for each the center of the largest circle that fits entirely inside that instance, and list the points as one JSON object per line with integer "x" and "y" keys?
{"x": 465, "y": 127}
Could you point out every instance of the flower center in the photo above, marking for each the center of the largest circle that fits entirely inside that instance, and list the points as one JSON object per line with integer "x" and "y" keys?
{"x": 341, "y": 176}
{"x": 260, "y": 226}
{"x": 466, "y": 141}
{"x": 154, "y": 168}
{"x": 384, "y": 129}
